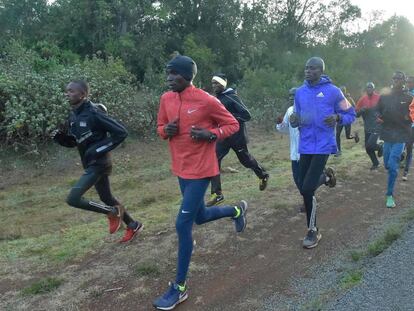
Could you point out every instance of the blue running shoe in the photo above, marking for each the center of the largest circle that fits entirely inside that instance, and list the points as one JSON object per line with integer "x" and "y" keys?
{"x": 240, "y": 221}
{"x": 175, "y": 295}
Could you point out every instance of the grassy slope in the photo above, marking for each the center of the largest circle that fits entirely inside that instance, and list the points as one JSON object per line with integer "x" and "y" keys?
{"x": 39, "y": 232}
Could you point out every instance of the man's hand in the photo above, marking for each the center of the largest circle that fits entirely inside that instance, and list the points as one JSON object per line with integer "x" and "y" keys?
{"x": 171, "y": 129}
{"x": 201, "y": 134}
{"x": 332, "y": 120}
{"x": 294, "y": 120}
{"x": 55, "y": 133}
{"x": 279, "y": 119}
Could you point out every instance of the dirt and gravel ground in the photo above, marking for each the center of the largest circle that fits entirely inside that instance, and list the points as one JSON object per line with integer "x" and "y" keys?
{"x": 265, "y": 268}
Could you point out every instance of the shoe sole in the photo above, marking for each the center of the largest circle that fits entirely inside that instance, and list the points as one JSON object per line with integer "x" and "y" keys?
{"x": 332, "y": 178}
{"x": 244, "y": 215}
{"x": 319, "y": 237}
{"x": 121, "y": 211}
{"x": 182, "y": 299}
{"x": 215, "y": 204}
{"x": 135, "y": 234}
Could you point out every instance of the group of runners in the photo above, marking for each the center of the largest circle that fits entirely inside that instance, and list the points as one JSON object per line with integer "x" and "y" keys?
{"x": 201, "y": 129}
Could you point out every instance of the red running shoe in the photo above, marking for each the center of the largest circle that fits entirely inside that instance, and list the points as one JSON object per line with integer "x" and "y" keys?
{"x": 131, "y": 233}
{"x": 115, "y": 220}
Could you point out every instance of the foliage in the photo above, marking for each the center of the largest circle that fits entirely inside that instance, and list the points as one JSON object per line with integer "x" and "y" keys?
{"x": 31, "y": 91}
{"x": 122, "y": 46}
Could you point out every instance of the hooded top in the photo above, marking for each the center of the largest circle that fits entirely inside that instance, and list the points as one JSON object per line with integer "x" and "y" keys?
{"x": 192, "y": 159}
{"x": 94, "y": 133}
{"x": 367, "y": 108}
{"x": 313, "y": 103}
{"x": 393, "y": 110}
{"x": 235, "y": 106}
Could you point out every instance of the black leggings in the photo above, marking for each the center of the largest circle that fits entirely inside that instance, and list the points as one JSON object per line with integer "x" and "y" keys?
{"x": 339, "y": 131}
{"x": 245, "y": 158}
{"x": 98, "y": 177}
{"x": 371, "y": 146}
{"x": 311, "y": 167}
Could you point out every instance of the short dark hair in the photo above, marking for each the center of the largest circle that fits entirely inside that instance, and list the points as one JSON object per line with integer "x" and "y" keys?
{"x": 83, "y": 85}
{"x": 400, "y": 73}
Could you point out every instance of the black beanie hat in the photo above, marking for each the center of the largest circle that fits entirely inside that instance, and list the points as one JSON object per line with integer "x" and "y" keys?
{"x": 184, "y": 66}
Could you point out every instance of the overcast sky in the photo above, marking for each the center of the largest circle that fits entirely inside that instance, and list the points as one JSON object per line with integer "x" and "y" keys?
{"x": 390, "y": 7}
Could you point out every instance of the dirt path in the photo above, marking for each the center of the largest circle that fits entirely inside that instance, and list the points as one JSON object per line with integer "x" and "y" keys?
{"x": 229, "y": 271}
{"x": 240, "y": 272}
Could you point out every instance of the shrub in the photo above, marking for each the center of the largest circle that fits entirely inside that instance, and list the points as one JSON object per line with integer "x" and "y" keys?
{"x": 32, "y": 102}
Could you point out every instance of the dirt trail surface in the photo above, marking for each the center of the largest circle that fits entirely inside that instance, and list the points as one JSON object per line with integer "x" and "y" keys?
{"x": 229, "y": 271}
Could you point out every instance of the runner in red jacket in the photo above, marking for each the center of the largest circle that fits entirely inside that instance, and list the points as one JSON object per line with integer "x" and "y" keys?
{"x": 192, "y": 121}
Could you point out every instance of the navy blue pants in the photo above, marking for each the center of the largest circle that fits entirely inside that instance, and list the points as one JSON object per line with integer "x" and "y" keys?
{"x": 193, "y": 210}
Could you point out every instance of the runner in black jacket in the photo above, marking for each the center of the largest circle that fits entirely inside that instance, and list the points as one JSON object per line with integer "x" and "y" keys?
{"x": 394, "y": 115}
{"x": 237, "y": 142}
{"x": 88, "y": 129}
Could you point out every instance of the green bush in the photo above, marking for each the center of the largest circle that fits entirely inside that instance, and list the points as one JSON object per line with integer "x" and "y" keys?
{"x": 32, "y": 102}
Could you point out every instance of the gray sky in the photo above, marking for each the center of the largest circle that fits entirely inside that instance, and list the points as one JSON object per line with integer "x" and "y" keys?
{"x": 390, "y": 7}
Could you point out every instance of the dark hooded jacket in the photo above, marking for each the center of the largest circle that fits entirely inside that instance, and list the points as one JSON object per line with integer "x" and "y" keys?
{"x": 235, "y": 106}
{"x": 94, "y": 133}
{"x": 394, "y": 111}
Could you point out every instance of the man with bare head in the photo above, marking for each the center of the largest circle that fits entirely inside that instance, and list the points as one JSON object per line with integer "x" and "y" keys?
{"x": 319, "y": 107}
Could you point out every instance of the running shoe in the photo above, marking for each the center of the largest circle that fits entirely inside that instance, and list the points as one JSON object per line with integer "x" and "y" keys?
{"x": 356, "y": 137}
{"x": 115, "y": 218}
{"x": 390, "y": 201}
{"x": 330, "y": 172}
{"x": 263, "y": 182}
{"x": 381, "y": 149}
{"x": 405, "y": 176}
{"x": 312, "y": 238}
{"x": 240, "y": 220}
{"x": 132, "y": 231}
{"x": 175, "y": 295}
{"x": 215, "y": 199}
{"x": 374, "y": 167}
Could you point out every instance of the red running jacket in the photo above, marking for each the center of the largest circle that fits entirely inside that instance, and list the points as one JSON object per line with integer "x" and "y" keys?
{"x": 192, "y": 159}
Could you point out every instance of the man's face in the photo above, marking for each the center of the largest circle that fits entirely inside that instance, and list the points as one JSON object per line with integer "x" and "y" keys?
{"x": 312, "y": 72}
{"x": 74, "y": 94}
{"x": 398, "y": 81}
{"x": 217, "y": 87}
{"x": 175, "y": 81}
{"x": 410, "y": 84}
{"x": 370, "y": 90}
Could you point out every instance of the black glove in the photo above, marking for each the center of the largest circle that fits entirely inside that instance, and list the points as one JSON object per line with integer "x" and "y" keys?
{"x": 294, "y": 120}
{"x": 332, "y": 120}
{"x": 202, "y": 134}
{"x": 55, "y": 134}
{"x": 171, "y": 129}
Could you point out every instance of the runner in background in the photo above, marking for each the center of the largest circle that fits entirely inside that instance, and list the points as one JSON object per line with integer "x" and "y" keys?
{"x": 367, "y": 108}
{"x": 394, "y": 116}
{"x": 410, "y": 142}
{"x": 347, "y": 127}
{"x": 237, "y": 142}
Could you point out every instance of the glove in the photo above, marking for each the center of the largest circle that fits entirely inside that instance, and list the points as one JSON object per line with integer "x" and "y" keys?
{"x": 55, "y": 133}
{"x": 202, "y": 134}
{"x": 279, "y": 119}
{"x": 332, "y": 120}
{"x": 294, "y": 120}
{"x": 171, "y": 129}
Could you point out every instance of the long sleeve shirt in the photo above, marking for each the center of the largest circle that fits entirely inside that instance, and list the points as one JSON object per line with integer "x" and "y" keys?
{"x": 192, "y": 159}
